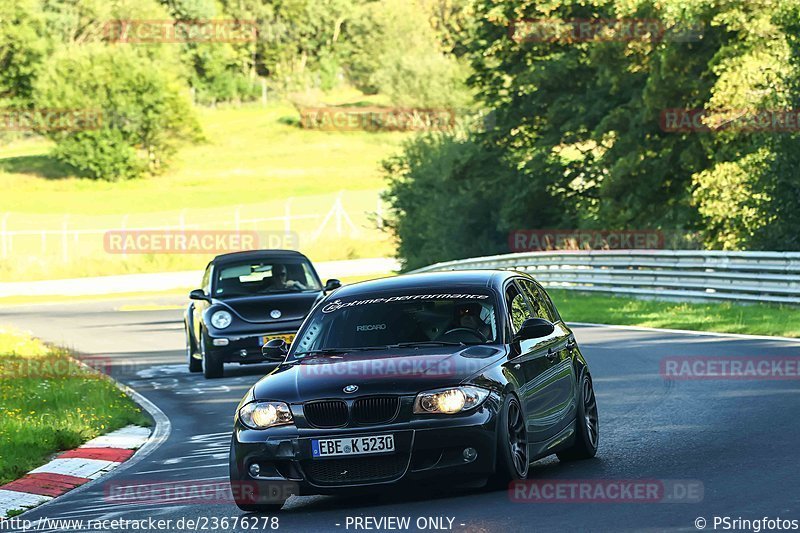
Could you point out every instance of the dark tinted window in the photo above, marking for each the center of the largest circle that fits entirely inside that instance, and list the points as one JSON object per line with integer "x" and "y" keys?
{"x": 540, "y": 304}
{"x": 517, "y": 307}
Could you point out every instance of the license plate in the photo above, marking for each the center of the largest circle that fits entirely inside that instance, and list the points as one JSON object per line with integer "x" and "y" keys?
{"x": 352, "y": 446}
{"x": 287, "y": 338}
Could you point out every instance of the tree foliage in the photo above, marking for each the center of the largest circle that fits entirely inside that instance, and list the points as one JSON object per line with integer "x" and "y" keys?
{"x": 144, "y": 111}
{"x": 579, "y": 129}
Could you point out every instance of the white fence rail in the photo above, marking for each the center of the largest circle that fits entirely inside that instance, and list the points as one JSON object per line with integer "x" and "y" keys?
{"x": 674, "y": 274}
{"x": 72, "y": 236}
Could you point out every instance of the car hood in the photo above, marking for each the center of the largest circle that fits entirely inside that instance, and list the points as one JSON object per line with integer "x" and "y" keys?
{"x": 403, "y": 371}
{"x": 292, "y": 306}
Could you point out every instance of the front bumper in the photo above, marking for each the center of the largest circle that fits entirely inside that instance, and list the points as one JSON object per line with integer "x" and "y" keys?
{"x": 244, "y": 348}
{"x": 428, "y": 448}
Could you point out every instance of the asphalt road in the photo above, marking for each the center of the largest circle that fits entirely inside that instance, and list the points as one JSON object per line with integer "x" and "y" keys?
{"x": 736, "y": 439}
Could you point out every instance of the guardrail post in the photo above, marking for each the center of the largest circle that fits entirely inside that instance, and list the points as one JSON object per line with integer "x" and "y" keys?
{"x": 64, "y": 243}
{"x": 287, "y": 216}
{"x": 124, "y": 227}
{"x": 4, "y": 233}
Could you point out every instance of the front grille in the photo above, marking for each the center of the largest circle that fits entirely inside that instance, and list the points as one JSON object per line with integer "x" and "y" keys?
{"x": 357, "y": 469}
{"x": 375, "y": 410}
{"x": 326, "y": 413}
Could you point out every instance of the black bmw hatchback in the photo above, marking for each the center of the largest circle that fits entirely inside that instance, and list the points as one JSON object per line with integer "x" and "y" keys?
{"x": 247, "y": 299}
{"x": 464, "y": 376}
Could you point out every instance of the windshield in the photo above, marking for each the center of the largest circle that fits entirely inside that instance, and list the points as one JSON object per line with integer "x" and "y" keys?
{"x": 417, "y": 318}
{"x": 253, "y": 277}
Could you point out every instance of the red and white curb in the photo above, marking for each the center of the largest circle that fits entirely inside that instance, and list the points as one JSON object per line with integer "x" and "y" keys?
{"x": 72, "y": 469}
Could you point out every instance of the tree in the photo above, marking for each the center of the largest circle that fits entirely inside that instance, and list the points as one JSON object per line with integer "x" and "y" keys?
{"x": 22, "y": 50}
{"x": 145, "y": 113}
{"x": 443, "y": 197}
{"x": 405, "y": 51}
{"x": 749, "y": 196}
{"x": 578, "y": 134}
{"x": 219, "y": 71}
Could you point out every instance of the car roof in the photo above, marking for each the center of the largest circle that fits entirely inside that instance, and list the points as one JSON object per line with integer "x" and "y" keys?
{"x": 431, "y": 280}
{"x": 258, "y": 254}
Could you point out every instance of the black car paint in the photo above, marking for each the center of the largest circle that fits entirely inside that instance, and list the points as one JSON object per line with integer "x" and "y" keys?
{"x": 251, "y": 314}
{"x": 542, "y": 373}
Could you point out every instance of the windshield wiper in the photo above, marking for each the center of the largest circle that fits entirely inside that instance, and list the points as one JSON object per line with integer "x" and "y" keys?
{"x": 425, "y": 343}
{"x": 334, "y": 351}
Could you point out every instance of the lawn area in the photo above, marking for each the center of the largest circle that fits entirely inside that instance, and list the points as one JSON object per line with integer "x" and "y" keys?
{"x": 49, "y": 403}
{"x": 252, "y": 154}
{"x": 256, "y": 167}
{"x": 757, "y": 319}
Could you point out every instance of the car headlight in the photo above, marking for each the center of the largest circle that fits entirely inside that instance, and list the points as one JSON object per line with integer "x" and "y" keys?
{"x": 221, "y": 319}
{"x": 263, "y": 415}
{"x": 449, "y": 401}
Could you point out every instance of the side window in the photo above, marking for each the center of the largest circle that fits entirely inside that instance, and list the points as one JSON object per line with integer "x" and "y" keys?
{"x": 540, "y": 304}
{"x": 549, "y": 304}
{"x": 517, "y": 307}
{"x": 205, "y": 284}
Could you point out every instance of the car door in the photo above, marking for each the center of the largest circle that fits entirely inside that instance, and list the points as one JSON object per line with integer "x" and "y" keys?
{"x": 560, "y": 375}
{"x": 533, "y": 358}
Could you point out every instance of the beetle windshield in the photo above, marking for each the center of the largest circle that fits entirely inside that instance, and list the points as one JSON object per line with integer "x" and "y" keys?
{"x": 397, "y": 320}
{"x": 264, "y": 276}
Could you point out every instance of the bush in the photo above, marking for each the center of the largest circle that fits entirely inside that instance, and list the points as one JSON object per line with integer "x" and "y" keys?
{"x": 442, "y": 195}
{"x": 144, "y": 113}
{"x": 396, "y": 51}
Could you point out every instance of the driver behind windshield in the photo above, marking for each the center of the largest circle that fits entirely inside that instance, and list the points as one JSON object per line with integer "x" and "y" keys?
{"x": 280, "y": 279}
{"x": 469, "y": 316}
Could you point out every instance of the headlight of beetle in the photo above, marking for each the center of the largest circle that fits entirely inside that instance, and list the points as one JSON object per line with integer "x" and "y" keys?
{"x": 449, "y": 401}
{"x": 263, "y": 415}
{"x": 221, "y": 319}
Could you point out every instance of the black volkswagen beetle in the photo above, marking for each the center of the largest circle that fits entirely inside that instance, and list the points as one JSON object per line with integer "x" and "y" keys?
{"x": 466, "y": 376}
{"x": 247, "y": 299}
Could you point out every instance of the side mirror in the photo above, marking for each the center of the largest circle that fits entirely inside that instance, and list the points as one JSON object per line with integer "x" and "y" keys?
{"x": 534, "y": 328}
{"x": 332, "y": 284}
{"x": 275, "y": 350}
{"x": 199, "y": 294}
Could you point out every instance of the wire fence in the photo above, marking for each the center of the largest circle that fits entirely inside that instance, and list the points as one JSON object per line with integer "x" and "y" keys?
{"x": 344, "y": 225}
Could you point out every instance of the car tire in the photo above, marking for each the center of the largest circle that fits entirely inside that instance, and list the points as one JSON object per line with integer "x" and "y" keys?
{"x": 244, "y": 505}
{"x": 587, "y": 424}
{"x": 212, "y": 363}
{"x": 195, "y": 365}
{"x": 512, "y": 460}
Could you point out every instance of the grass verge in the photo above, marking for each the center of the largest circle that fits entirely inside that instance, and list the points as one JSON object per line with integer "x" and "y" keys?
{"x": 256, "y": 166}
{"x": 49, "y": 403}
{"x": 757, "y": 319}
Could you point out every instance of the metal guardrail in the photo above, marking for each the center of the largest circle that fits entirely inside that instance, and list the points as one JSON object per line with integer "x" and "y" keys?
{"x": 671, "y": 274}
